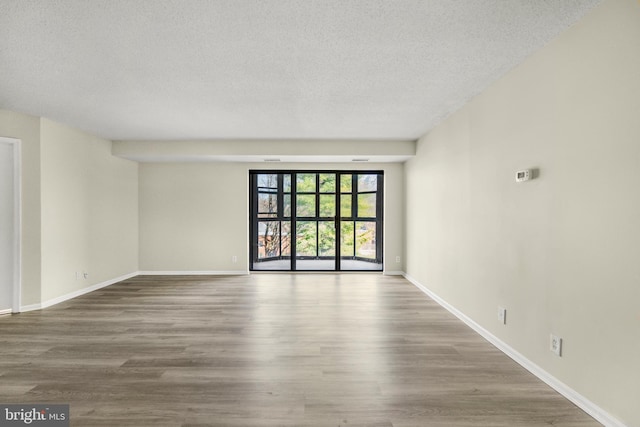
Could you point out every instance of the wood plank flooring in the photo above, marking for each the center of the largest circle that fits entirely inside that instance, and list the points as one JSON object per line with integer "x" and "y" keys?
{"x": 268, "y": 350}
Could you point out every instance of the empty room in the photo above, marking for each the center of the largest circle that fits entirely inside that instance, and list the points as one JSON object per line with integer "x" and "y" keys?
{"x": 320, "y": 213}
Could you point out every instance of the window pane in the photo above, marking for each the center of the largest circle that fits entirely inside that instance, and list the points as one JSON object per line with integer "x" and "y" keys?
{"x": 306, "y": 182}
{"x": 367, "y": 183}
{"x": 268, "y": 239}
{"x": 286, "y": 239}
{"x": 286, "y": 183}
{"x": 345, "y": 206}
{"x": 326, "y": 238}
{"x": 267, "y": 204}
{"x": 306, "y": 205}
{"x": 327, "y": 182}
{"x": 345, "y": 183}
{"x": 287, "y": 205}
{"x": 366, "y": 239}
{"x": 327, "y": 205}
{"x": 347, "y": 247}
{"x": 367, "y": 205}
{"x": 268, "y": 181}
{"x": 306, "y": 238}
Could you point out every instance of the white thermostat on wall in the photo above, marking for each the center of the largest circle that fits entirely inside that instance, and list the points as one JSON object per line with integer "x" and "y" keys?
{"x": 524, "y": 175}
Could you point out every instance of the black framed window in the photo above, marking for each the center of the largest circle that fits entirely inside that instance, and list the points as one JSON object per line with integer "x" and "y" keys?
{"x": 316, "y": 220}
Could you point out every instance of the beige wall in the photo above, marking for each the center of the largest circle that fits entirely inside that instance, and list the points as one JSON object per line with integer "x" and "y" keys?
{"x": 27, "y": 129}
{"x": 195, "y": 216}
{"x": 89, "y": 211}
{"x": 192, "y": 217}
{"x": 290, "y": 151}
{"x": 560, "y": 252}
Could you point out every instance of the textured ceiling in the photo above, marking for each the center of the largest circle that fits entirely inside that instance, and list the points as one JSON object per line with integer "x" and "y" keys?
{"x": 263, "y": 69}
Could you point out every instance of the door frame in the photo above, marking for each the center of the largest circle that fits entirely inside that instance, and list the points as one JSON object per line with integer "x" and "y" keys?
{"x": 379, "y": 219}
{"x": 17, "y": 221}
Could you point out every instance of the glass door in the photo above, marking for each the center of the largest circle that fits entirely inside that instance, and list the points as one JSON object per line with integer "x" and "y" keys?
{"x": 316, "y": 220}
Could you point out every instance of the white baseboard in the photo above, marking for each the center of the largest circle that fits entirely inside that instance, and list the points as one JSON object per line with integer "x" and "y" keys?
{"x": 66, "y": 297}
{"x": 77, "y": 293}
{"x": 7, "y": 311}
{"x": 195, "y": 273}
{"x": 30, "y": 307}
{"x": 580, "y": 401}
{"x": 393, "y": 273}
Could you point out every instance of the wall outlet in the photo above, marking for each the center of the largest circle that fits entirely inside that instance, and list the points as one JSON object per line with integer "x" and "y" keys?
{"x": 77, "y": 275}
{"x": 234, "y": 259}
{"x": 502, "y": 315}
{"x": 398, "y": 259}
{"x": 555, "y": 345}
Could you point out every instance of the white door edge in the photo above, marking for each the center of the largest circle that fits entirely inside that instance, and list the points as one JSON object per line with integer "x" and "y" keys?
{"x": 17, "y": 218}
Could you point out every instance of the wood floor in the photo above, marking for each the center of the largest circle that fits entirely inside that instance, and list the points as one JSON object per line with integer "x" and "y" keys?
{"x": 268, "y": 350}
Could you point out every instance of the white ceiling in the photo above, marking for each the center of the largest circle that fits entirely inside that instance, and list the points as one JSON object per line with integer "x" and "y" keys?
{"x": 263, "y": 69}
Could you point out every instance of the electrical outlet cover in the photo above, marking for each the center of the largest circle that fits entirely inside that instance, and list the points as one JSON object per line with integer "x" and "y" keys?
{"x": 556, "y": 345}
{"x": 502, "y": 315}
